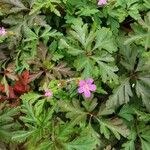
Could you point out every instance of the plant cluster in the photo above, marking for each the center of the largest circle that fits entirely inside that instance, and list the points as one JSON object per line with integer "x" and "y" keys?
{"x": 75, "y": 74}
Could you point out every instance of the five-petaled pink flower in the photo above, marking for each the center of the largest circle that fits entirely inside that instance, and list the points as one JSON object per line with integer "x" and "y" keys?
{"x": 102, "y": 2}
{"x": 2, "y": 31}
{"x": 48, "y": 93}
{"x": 86, "y": 86}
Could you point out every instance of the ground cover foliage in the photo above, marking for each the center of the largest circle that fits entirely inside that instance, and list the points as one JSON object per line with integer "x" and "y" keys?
{"x": 75, "y": 74}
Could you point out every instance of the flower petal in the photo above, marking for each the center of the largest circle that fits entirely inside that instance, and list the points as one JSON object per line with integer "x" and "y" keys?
{"x": 87, "y": 93}
{"x": 92, "y": 87}
{"x": 48, "y": 93}
{"x": 80, "y": 90}
{"x": 82, "y": 83}
{"x": 102, "y": 2}
{"x": 2, "y": 31}
{"x": 89, "y": 81}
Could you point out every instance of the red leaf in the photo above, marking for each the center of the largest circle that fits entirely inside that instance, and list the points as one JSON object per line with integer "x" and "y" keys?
{"x": 1, "y": 98}
{"x": 2, "y": 88}
{"x": 25, "y": 77}
{"x": 21, "y": 86}
{"x": 11, "y": 93}
{"x": 10, "y": 89}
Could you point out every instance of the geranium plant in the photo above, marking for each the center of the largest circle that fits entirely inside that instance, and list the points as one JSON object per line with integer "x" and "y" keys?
{"x": 75, "y": 74}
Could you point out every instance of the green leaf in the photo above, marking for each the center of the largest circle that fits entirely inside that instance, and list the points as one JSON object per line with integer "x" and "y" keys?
{"x": 17, "y": 5}
{"x": 79, "y": 32}
{"x": 29, "y": 34}
{"x": 142, "y": 133}
{"x": 90, "y": 105}
{"x": 130, "y": 144}
{"x": 107, "y": 70}
{"x": 84, "y": 64}
{"x": 104, "y": 111}
{"x": 116, "y": 126}
{"x": 145, "y": 139}
{"x": 88, "y": 138}
{"x": 7, "y": 123}
{"x": 104, "y": 40}
{"x": 134, "y": 12}
{"x": 143, "y": 116}
{"x": 93, "y": 49}
{"x": 30, "y": 97}
{"x": 36, "y": 118}
{"x": 121, "y": 94}
{"x": 18, "y": 23}
{"x": 141, "y": 34}
{"x": 129, "y": 56}
{"x": 74, "y": 111}
{"x": 86, "y": 11}
{"x": 21, "y": 136}
{"x": 50, "y": 5}
{"x": 147, "y": 4}
{"x": 71, "y": 50}
{"x": 126, "y": 112}
{"x": 142, "y": 90}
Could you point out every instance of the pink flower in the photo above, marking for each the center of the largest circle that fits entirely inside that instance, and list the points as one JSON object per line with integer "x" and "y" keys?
{"x": 2, "y": 31}
{"x": 102, "y": 2}
{"x": 48, "y": 93}
{"x": 86, "y": 86}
